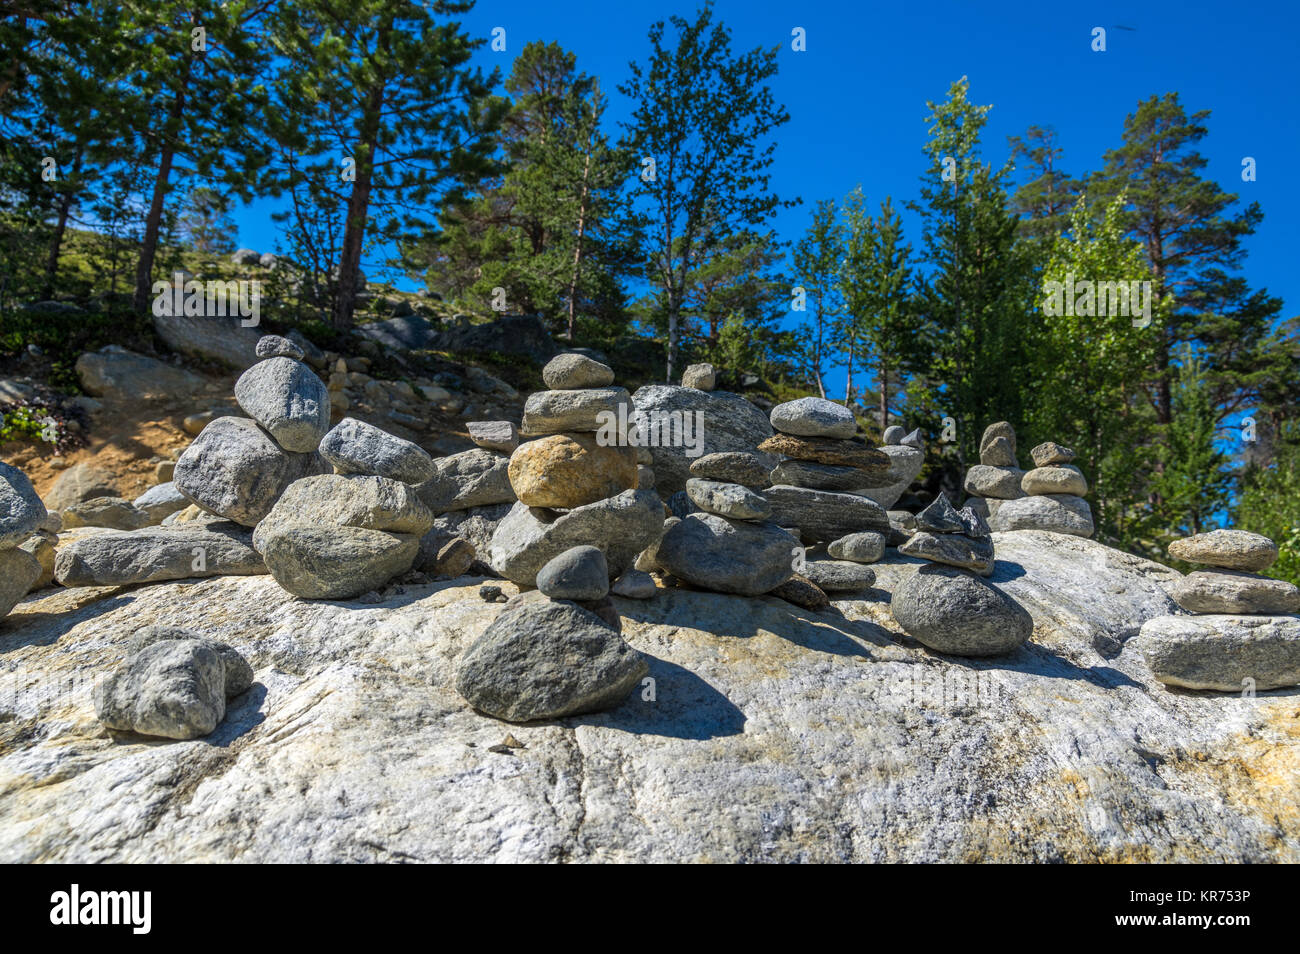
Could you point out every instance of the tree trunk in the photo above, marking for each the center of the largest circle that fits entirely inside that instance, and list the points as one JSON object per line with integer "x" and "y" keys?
{"x": 60, "y": 227}
{"x": 848, "y": 380}
{"x": 354, "y": 228}
{"x": 672, "y": 340}
{"x": 884, "y": 395}
{"x": 153, "y": 223}
{"x": 577, "y": 249}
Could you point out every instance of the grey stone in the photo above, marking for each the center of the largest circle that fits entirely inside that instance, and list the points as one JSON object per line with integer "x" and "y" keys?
{"x": 904, "y": 465}
{"x": 733, "y": 467}
{"x": 472, "y": 478}
{"x": 19, "y": 571}
{"x": 40, "y": 545}
{"x": 893, "y": 435}
{"x": 112, "y": 512}
{"x": 161, "y": 501}
{"x": 836, "y": 576}
{"x": 587, "y": 410}
{"x": 84, "y": 481}
{"x": 1222, "y": 652}
{"x": 951, "y": 611}
{"x": 999, "y": 452}
{"x": 1049, "y": 453}
{"x": 580, "y": 573}
{"x": 21, "y": 509}
{"x": 1056, "y": 479}
{"x": 569, "y": 372}
{"x": 866, "y": 547}
{"x": 648, "y": 559}
{"x": 222, "y": 338}
{"x": 727, "y": 500}
{"x": 245, "y": 256}
{"x": 183, "y": 551}
{"x": 236, "y": 470}
{"x": 332, "y": 563}
{"x": 976, "y": 527}
{"x": 346, "y": 500}
{"x": 980, "y": 506}
{"x": 543, "y": 659}
{"x": 476, "y": 525}
{"x": 114, "y": 372}
{"x": 1001, "y": 483}
{"x": 634, "y": 584}
{"x": 951, "y": 549}
{"x": 802, "y": 473}
{"x": 1233, "y": 591}
{"x": 445, "y": 555}
{"x": 702, "y": 376}
{"x": 728, "y": 556}
{"x": 940, "y": 517}
{"x": 802, "y": 591}
{"x": 622, "y": 526}
{"x": 494, "y": 435}
{"x": 274, "y": 346}
{"x": 355, "y": 447}
{"x": 173, "y": 689}
{"x": 824, "y": 515}
{"x": 680, "y": 504}
{"x": 730, "y": 423}
{"x": 289, "y": 400}
{"x": 1230, "y": 549}
{"x": 814, "y": 417}
{"x": 1003, "y": 430}
{"x": 913, "y": 439}
{"x": 1059, "y": 513}
{"x": 238, "y": 673}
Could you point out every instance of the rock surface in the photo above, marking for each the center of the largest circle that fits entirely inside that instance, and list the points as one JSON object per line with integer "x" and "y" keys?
{"x": 727, "y": 500}
{"x": 1231, "y": 549}
{"x": 728, "y": 556}
{"x": 904, "y": 465}
{"x": 472, "y": 478}
{"x": 119, "y": 373}
{"x": 1232, "y": 591}
{"x": 813, "y": 417}
{"x": 1058, "y": 513}
{"x": 21, "y": 510}
{"x": 289, "y": 400}
{"x": 824, "y": 515}
{"x": 952, "y": 611}
{"x": 355, "y": 447}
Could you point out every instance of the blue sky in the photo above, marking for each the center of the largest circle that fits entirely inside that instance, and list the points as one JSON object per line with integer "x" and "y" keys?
{"x": 857, "y": 96}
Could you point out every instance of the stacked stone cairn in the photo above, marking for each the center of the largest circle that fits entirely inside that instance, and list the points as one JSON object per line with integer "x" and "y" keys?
{"x": 1245, "y": 634}
{"x": 1048, "y": 497}
{"x": 945, "y": 604}
{"x": 996, "y": 478}
{"x": 27, "y": 535}
{"x": 580, "y": 520}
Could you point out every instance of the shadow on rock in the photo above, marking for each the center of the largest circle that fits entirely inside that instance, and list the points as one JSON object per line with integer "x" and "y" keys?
{"x": 684, "y": 706}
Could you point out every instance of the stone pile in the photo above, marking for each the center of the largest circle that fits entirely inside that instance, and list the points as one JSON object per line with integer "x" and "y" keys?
{"x": 996, "y": 478}
{"x": 574, "y": 478}
{"x": 25, "y": 532}
{"x": 1244, "y": 635}
{"x": 944, "y": 604}
{"x": 906, "y": 453}
{"x": 1053, "y": 496}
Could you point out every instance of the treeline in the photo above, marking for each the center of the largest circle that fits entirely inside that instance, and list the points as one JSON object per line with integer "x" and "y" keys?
{"x": 1105, "y": 311}
{"x": 141, "y": 125}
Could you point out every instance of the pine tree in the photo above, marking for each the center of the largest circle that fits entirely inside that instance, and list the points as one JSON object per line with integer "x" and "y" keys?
{"x": 1046, "y": 193}
{"x": 817, "y": 259}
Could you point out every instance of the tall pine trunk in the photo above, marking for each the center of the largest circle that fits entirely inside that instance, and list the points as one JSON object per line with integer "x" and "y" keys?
{"x": 848, "y": 380}
{"x": 354, "y": 228}
{"x": 577, "y": 248}
{"x": 884, "y": 394}
{"x": 60, "y": 228}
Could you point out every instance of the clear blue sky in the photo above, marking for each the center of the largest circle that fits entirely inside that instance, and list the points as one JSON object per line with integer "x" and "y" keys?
{"x": 857, "y": 95}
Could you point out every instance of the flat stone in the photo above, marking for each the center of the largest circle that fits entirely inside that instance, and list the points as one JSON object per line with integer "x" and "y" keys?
{"x": 802, "y": 591}
{"x": 161, "y": 501}
{"x": 728, "y": 556}
{"x": 951, "y": 549}
{"x": 702, "y": 376}
{"x": 940, "y": 517}
{"x": 274, "y": 346}
{"x": 546, "y": 659}
{"x": 570, "y": 470}
{"x": 622, "y": 526}
{"x": 553, "y": 412}
{"x": 1230, "y": 549}
{"x": 733, "y": 467}
{"x": 236, "y": 470}
{"x": 814, "y": 417}
{"x": 634, "y": 584}
{"x": 1049, "y": 453}
{"x": 173, "y": 689}
{"x": 1222, "y": 652}
{"x": 913, "y": 439}
{"x": 727, "y": 500}
{"x": 866, "y": 547}
{"x": 289, "y": 400}
{"x": 112, "y": 512}
{"x": 333, "y": 563}
{"x": 1055, "y": 479}
{"x": 824, "y": 450}
{"x": 1234, "y": 591}
{"x": 1059, "y": 513}
{"x": 802, "y": 473}
{"x": 951, "y": 611}
{"x": 835, "y": 576}
{"x": 824, "y": 515}
{"x": 355, "y": 447}
{"x": 153, "y": 554}
{"x": 494, "y": 435}
{"x": 1001, "y": 483}
{"x": 569, "y": 371}
{"x": 580, "y": 573}
{"x": 347, "y": 500}
{"x": 472, "y": 478}
{"x": 115, "y": 372}
{"x": 21, "y": 509}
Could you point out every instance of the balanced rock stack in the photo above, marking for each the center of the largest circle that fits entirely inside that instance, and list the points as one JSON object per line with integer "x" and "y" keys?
{"x": 575, "y": 476}
{"x": 554, "y": 652}
{"x": 996, "y": 478}
{"x": 906, "y": 455}
{"x": 1245, "y": 634}
{"x": 1054, "y": 492}
{"x": 24, "y": 527}
{"x": 944, "y": 604}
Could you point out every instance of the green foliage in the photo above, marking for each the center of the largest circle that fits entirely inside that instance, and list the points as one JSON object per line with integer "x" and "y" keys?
{"x": 36, "y": 422}
{"x": 818, "y": 258}
{"x": 1270, "y": 502}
